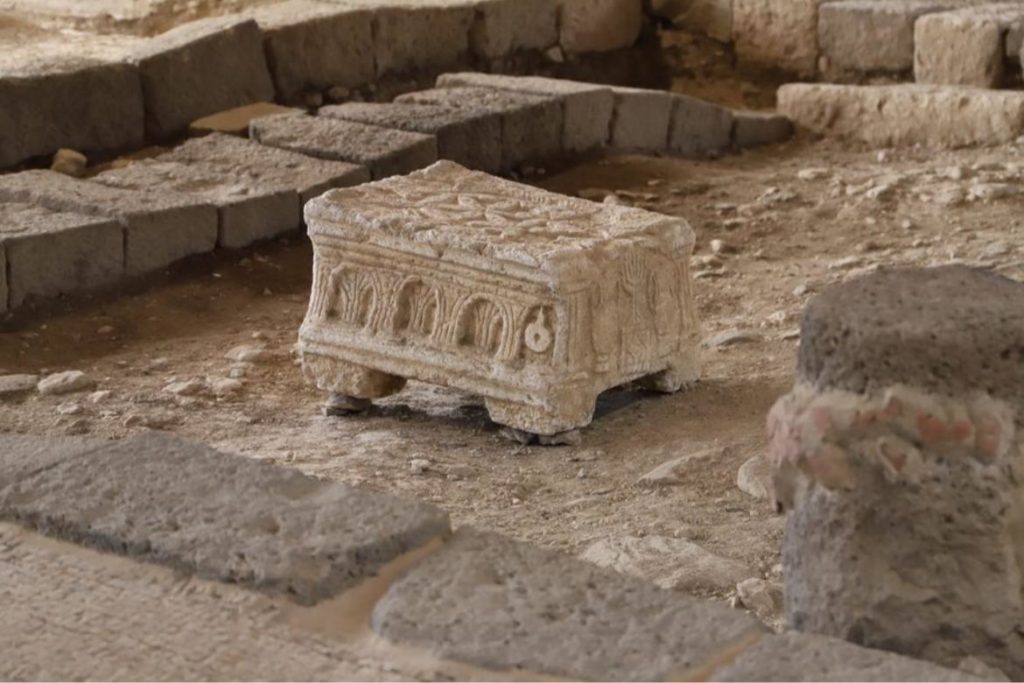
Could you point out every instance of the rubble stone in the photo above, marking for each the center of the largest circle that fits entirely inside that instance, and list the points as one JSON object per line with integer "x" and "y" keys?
{"x": 586, "y": 108}
{"x": 713, "y": 18}
{"x": 531, "y": 125}
{"x": 69, "y": 162}
{"x": 504, "y": 27}
{"x": 223, "y": 517}
{"x": 870, "y": 36}
{"x": 314, "y": 46}
{"x": 384, "y": 151}
{"x": 698, "y": 128}
{"x": 17, "y": 384}
{"x": 808, "y": 657}
{"x": 468, "y": 137}
{"x": 49, "y": 253}
{"x": 201, "y": 68}
{"x": 503, "y": 605}
{"x": 456, "y": 277}
{"x": 909, "y": 397}
{"x": 69, "y": 382}
{"x": 641, "y": 120}
{"x": 903, "y": 115}
{"x": 599, "y": 25}
{"x": 160, "y": 227}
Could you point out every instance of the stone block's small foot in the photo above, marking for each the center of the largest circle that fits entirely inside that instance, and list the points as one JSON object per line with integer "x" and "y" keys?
{"x": 340, "y": 405}
{"x": 338, "y": 377}
{"x": 572, "y": 437}
{"x": 681, "y": 374}
{"x": 551, "y": 426}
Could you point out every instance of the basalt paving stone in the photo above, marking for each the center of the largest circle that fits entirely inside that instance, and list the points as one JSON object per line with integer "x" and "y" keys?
{"x": 641, "y": 120}
{"x": 586, "y": 108}
{"x": 469, "y": 138}
{"x": 809, "y": 657}
{"x": 160, "y": 227}
{"x": 220, "y": 516}
{"x": 503, "y": 27}
{"x": 258, "y": 190}
{"x": 385, "y": 151}
{"x": 415, "y": 36}
{"x": 313, "y": 46}
{"x": 201, "y": 68}
{"x": 24, "y": 456}
{"x": 698, "y": 128}
{"x": 236, "y": 121}
{"x": 493, "y": 602}
{"x": 51, "y": 253}
{"x": 951, "y": 330}
{"x": 57, "y": 94}
{"x": 754, "y": 129}
{"x": 531, "y": 125}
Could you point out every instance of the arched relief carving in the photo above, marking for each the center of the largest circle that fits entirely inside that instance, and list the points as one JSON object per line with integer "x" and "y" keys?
{"x": 353, "y": 296}
{"x": 484, "y": 325}
{"x": 418, "y": 309}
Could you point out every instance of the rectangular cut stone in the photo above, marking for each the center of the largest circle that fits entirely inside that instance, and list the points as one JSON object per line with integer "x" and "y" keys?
{"x": 314, "y": 46}
{"x": 869, "y": 36}
{"x": 51, "y": 253}
{"x": 698, "y": 128}
{"x": 24, "y": 456}
{"x": 503, "y": 605}
{"x": 504, "y": 27}
{"x": 258, "y": 190}
{"x": 897, "y": 115}
{"x": 586, "y": 108}
{"x": 641, "y": 120}
{"x": 777, "y": 34}
{"x": 418, "y": 36}
{"x": 755, "y": 128}
{"x": 810, "y": 657}
{"x": 599, "y": 25}
{"x": 222, "y": 517}
{"x": 965, "y": 47}
{"x": 385, "y": 151}
{"x": 713, "y": 18}
{"x": 469, "y": 138}
{"x": 201, "y": 68}
{"x": 236, "y": 121}
{"x": 48, "y": 99}
{"x": 531, "y": 125}
{"x": 160, "y": 227}
{"x": 516, "y": 294}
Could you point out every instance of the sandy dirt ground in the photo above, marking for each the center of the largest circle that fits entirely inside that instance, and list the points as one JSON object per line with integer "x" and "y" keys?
{"x": 788, "y": 221}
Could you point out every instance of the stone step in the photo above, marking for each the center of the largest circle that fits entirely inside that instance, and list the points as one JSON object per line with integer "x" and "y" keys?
{"x": 641, "y": 120}
{"x": 968, "y": 46}
{"x": 384, "y": 151}
{"x": 469, "y": 137}
{"x": 897, "y": 115}
{"x": 160, "y": 227}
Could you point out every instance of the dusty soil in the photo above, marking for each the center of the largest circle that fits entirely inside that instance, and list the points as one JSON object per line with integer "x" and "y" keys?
{"x": 792, "y": 219}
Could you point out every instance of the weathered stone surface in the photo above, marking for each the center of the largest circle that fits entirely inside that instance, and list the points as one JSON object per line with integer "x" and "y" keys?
{"x": 236, "y": 121}
{"x": 258, "y": 190}
{"x": 313, "y": 46}
{"x": 221, "y": 516}
{"x": 69, "y": 162}
{"x": 201, "y": 68}
{"x": 51, "y": 253}
{"x": 754, "y": 478}
{"x": 43, "y": 81}
{"x": 463, "y": 279}
{"x": 160, "y": 227}
{"x": 67, "y": 382}
{"x": 670, "y": 563}
{"x": 897, "y": 115}
{"x": 385, "y": 151}
{"x": 23, "y": 456}
{"x": 600, "y": 25}
{"x": 698, "y": 128}
{"x": 951, "y": 330}
{"x": 965, "y": 47}
{"x": 868, "y": 36}
{"x": 467, "y": 137}
{"x": 417, "y": 36}
{"x": 586, "y": 108}
{"x": 531, "y": 125}
{"x": 710, "y": 17}
{"x": 807, "y": 657}
{"x": 777, "y": 34}
{"x": 641, "y": 120}
{"x": 503, "y": 27}
{"x": 16, "y": 384}
{"x": 754, "y": 129}
{"x": 503, "y": 605}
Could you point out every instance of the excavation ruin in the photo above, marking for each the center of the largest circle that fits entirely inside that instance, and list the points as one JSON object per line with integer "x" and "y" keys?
{"x": 511, "y": 340}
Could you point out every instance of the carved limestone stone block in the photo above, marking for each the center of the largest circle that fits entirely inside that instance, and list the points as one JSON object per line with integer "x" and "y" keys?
{"x": 537, "y": 302}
